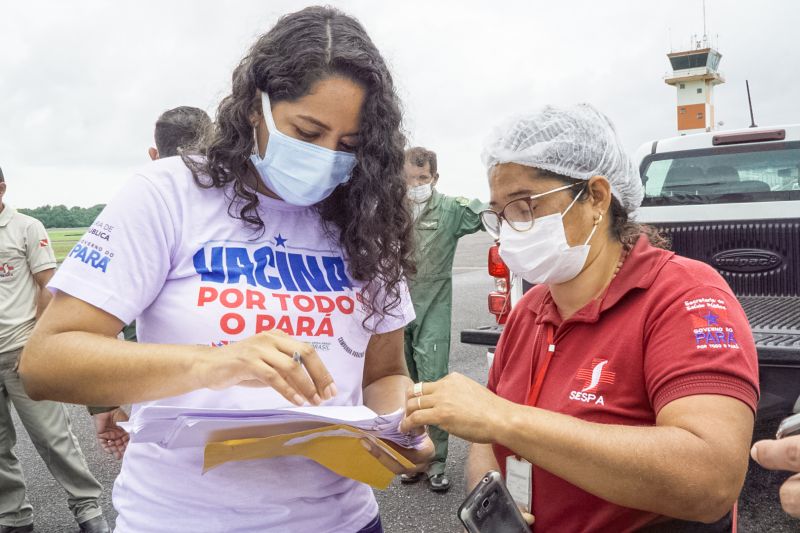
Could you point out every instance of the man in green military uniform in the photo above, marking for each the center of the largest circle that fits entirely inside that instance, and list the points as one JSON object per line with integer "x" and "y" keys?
{"x": 439, "y": 221}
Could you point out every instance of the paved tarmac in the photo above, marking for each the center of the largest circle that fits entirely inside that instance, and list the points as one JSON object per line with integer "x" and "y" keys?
{"x": 405, "y": 509}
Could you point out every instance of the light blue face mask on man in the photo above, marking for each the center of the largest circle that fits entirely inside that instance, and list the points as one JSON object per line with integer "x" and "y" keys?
{"x": 301, "y": 173}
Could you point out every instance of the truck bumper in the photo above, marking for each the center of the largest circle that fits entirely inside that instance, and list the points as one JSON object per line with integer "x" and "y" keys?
{"x": 483, "y": 335}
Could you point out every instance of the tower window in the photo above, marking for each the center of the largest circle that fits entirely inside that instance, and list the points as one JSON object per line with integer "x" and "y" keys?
{"x": 699, "y": 90}
{"x": 683, "y": 85}
{"x": 682, "y": 110}
{"x": 699, "y": 116}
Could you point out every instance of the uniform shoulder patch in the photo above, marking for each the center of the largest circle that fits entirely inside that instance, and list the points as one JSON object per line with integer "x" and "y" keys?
{"x": 710, "y": 324}
{"x": 462, "y": 201}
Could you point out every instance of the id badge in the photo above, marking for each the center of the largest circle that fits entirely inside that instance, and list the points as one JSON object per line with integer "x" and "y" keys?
{"x": 518, "y": 481}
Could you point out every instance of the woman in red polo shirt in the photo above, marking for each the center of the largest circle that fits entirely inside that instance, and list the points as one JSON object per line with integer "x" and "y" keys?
{"x": 624, "y": 386}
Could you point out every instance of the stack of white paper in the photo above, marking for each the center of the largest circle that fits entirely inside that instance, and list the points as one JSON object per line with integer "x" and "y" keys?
{"x": 179, "y": 427}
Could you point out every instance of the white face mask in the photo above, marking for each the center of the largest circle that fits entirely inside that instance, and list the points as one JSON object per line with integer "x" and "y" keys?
{"x": 542, "y": 254}
{"x": 420, "y": 193}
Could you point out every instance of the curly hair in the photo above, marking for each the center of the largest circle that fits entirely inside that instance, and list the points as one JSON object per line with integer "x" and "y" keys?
{"x": 369, "y": 212}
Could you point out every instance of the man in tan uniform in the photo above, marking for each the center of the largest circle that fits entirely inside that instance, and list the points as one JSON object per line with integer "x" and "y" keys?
{"x": 27, "y": 263}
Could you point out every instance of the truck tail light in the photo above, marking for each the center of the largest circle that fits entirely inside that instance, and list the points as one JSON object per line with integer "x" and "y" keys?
{"x": 497, "y": 268}
{"x": 499, "y": 299}
{"x": 498, "y": 303}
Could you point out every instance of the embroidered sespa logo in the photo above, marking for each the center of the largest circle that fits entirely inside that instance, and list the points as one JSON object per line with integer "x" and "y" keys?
{"x": 6, "y": 270}
{"x": 592, "y": 378}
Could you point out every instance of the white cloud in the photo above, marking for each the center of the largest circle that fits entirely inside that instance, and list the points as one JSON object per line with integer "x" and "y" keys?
{"x": 81, "y": 83}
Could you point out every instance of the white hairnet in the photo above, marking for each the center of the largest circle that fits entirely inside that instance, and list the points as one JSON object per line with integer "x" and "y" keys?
{"x": 576, "y": 141}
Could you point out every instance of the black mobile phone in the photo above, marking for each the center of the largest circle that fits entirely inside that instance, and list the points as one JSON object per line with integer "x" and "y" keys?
{"x": 789, "y": 426}
{"x": 489, "y": 508}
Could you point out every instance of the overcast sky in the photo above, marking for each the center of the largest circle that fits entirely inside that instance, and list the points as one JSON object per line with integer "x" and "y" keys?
{"x": 81, "y": 83}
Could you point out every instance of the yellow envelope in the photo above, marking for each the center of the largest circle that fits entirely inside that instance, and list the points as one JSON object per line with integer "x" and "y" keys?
{"x": 337, "y": 447}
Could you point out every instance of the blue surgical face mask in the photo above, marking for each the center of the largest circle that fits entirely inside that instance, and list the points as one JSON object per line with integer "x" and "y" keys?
{"x": 301, "y": 173}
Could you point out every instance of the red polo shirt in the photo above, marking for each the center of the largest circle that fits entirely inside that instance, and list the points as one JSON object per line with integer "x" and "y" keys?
{"x": 667, "y": 327}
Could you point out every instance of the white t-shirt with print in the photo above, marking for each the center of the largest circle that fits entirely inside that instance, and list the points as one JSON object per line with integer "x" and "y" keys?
{"x": 167, "y": 253}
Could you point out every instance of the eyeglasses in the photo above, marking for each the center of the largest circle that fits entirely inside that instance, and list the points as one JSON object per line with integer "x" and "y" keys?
{"x": 517, "y": 213}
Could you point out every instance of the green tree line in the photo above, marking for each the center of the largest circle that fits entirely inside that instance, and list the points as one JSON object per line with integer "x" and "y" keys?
{"x": 61, "y": 216}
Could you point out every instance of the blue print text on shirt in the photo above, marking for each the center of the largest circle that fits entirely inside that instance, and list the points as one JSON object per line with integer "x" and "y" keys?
{"x": 263, "y": 288}
{"x": 275, "y": 270}
{"x": 89, "y": 256}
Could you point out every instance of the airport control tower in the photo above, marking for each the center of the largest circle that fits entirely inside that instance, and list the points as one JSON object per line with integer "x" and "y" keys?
{"x": 694, "y": 75}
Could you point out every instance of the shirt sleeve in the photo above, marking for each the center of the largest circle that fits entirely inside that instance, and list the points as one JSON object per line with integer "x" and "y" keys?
{"x": 495, "y": 369}
{"x": 38, "y": 251}
{"x": 122, "y": 262}
{"x": 469, "y": 220}
{"x": 399, "y": 315}
{"x": 511, "y": 330}
{"x": 701, "y": 344}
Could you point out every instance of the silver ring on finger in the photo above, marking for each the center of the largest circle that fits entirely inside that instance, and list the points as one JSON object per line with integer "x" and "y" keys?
{"x": 418, "y": 389}
{"x": 297, "y": 358}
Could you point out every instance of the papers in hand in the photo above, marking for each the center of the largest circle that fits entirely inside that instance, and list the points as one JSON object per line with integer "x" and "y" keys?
{"x": 329, "y": 435}
{"x": 336, "y": 447}
{"x": 180, "y": 427}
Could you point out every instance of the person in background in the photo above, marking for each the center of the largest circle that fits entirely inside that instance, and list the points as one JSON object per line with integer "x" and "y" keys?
{"x": 783, "y": 454}
{"x": 623, "y": 390}
{"x": 297, "y": 202}
{"x": 176, "y": 129}
{"x": 27, "y": 263}
{"x": 439, "y": 222}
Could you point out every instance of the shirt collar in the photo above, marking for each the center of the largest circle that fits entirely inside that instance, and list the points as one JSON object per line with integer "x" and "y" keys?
{"x": 6, "y": 215}
{"x": 435, "y": 199}
{"x": 431, "y": 204}
{"x": 639, "y": 271}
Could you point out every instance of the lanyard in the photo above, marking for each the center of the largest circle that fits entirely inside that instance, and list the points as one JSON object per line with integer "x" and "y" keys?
{"x": 536, "y": 389}
{"x": 519, "y": 472}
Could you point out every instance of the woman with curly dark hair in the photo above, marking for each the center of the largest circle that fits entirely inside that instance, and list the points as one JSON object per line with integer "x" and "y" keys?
{"x": 265, "y": 270}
